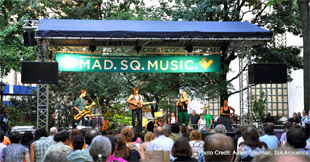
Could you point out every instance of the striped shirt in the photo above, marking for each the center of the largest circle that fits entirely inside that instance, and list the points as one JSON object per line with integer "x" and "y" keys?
{"x": 41, "y": 146}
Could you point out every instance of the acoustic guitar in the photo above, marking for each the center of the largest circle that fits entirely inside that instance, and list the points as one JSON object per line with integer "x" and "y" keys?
{"x": 105, "y": 124}
{"x": 133, "y": 107}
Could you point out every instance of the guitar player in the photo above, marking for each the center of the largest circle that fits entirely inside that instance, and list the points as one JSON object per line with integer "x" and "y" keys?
{"x": 135, "y": 102}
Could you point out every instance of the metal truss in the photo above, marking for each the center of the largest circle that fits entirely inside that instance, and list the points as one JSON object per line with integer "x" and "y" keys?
{"x": 42, "y": 91}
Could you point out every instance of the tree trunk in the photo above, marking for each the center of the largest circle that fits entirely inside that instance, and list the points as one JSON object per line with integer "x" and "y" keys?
{"x": 305, "y": 16}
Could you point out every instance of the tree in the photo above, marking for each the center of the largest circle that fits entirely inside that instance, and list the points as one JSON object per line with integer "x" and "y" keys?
{"x": 283, "y": 18}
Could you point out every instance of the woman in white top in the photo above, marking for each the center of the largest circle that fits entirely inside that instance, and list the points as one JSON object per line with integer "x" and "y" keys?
{"x": 173, "y": 119}
{"x": 202, "y": 124}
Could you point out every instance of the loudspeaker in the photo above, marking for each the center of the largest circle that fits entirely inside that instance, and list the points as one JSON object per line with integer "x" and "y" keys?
{"x": 267, "y": 73}
{"x": 29, "y": 38}
{"x": 40, "y": 72}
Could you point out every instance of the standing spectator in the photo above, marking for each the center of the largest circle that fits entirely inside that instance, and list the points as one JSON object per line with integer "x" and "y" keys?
{"x": 182, "y": 150}
{"x": 296, "y": 138}
{"x": 194, "y": 119}
{"x": 78, "y": 143}
{"x": 39, "y": 147}
{"x": 251, "y": 145}
{"x": 100, "y": 148}
{"x": 202, "y": 124}
{"x": 4, "y": 121}
{"x": 173, "y": 119}
{"x": 175, "y": 131}
{"x": 209, "y": 120}
{"x": 304, "y": 118}
{"x": 62, "y": 139}
{"x": 269, "y": 138}
{"x": 53, "y": 131}
{"x": 269, "y": 120}
{"x": 15, "y": 152}
{"x": 75, "y": 132}
{"x": 1, "y": 145}
{"x": 220, "y": 128}
{"x": 149, "y": 136}
{"x": 161, "y": 142}
{"x": 54, "y": 156}
{"x": 83, "y": 155}
{"x": 127, "y": 132}
{"x": 220, "y": 143}
{"x": 112, "y": 158}
{"x": 287, "y": 126}
{"x": 294, "y": 120}
{"x": 196, "y": 143}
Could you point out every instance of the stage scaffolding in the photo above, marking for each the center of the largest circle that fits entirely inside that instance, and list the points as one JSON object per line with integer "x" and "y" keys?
{"x": 242, "y": 46}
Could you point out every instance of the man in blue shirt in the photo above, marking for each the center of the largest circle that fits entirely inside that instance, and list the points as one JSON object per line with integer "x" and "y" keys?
{"x": 161, "y": 142}
{"x": 269, "y": 138}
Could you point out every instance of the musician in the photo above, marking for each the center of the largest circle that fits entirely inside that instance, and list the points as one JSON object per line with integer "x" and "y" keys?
{"x": 182, "y": 104}
{"x": 89, "y": 122}
{"x": 138, "y": 111}
{"x": 225, "y": 116}
{"x": 80, "y": 105}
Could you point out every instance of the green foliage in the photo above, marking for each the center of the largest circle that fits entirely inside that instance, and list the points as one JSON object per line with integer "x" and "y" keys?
{"x": 119, "y": 119}
{"x": 277, "y": 118}
{"x": 259, "y": 107}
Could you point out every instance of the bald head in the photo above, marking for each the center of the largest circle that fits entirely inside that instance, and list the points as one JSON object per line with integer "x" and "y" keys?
{"x": 220, "y": 128}
{"x": 53, "y": 131}
{"x": 159, "y": 131}
{"x": 219, "y": 143}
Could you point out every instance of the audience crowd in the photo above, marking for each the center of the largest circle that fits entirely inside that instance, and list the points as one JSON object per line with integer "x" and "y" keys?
{"x": 125, "y": 144}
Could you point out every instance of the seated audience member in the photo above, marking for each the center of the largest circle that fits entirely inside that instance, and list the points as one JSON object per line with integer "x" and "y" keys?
{"x": 217, "y": 142}
{"x": 54, "y": 156}
{"x": 196, "y": 143}
{"x": 125, "y": 152}
{"x": 112, "y": 158}
{"x": 100, "y": 148}
{"x": 161, "y": 142}
{"x": 6, "y": 141}
{"x": 1, "y": 145}
{"x": 251, "y": 145}
{"x": 62, "y": 139}
{"x": 293, "y": 155}
{"x": 182, "y": 150}
{"x": 294, "y": 120}
{"x": 287, "y": 126}
{"x": 136, "y": 137}
{"x": 15, "y": 151}
{"x": 220, "y": 128}
{"x": 27, "y": 139}
{"x": 269, "y": 138}
{"x": 175, "y": 131}
{"x": 296, "y": 138}
{"x": 168, "y": 132}
{"x": 128, "y": 133}
{"x": 148, "y": 137}
{"x": 73, "y": 133}
{"x": 269, "y": 120}
{"x": 240, "y": 139}
{"x": 83, "y": 155}
{"x": 53, "y": 131}
{"x": 39, "y": 147}
{"x": 236, "y": 137}
{"x": 78, "y": 143}
{"x": 120, "y": 127}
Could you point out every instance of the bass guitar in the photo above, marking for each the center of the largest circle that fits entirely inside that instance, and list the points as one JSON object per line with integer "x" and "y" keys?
{"x": 136, "y": 104}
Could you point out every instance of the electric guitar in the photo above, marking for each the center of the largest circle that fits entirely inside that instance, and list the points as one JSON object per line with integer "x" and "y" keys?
{"x": 133, "y": 107}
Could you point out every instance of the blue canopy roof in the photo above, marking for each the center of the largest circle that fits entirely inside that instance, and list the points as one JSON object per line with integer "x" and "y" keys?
{"x": 148, "y": 29}
{"x": 18, "y": 90}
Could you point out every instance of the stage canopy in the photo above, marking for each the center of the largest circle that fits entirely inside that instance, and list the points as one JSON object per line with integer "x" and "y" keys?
{"x": 147, "y": 34}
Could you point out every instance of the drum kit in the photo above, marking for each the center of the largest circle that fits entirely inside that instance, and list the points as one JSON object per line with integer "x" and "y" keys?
{"x": 147, "y": 116}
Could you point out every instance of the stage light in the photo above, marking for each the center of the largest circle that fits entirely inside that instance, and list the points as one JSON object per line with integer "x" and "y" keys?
{"x": 189, "y": 48}
{"x": 92, "y": 48}
{"x": 138, "y": 48}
